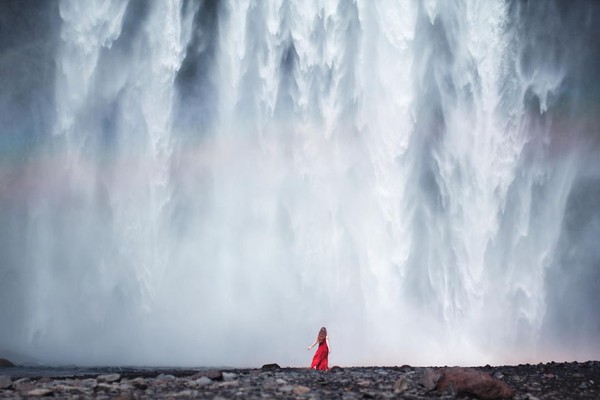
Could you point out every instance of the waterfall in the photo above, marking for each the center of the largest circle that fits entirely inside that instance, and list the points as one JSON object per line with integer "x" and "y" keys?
{"x": 209, "y": 182}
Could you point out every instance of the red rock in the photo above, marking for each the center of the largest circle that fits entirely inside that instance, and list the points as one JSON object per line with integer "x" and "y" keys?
{"x": 473, "y": 382}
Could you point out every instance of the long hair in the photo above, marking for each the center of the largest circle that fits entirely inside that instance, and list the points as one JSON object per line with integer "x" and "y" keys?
{"x": 322, "y": 335}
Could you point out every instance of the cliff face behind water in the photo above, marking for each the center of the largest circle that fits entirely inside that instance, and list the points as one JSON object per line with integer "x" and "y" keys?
{"x": 179, "y": 179}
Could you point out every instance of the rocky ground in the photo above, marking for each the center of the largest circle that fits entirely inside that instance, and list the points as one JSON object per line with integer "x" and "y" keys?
{"x": 541, "y": 381}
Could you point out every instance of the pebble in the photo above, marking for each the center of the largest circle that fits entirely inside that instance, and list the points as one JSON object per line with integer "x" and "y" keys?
{"x": 286, "y": 388}
{"x": 300, "y": 389}
{"x": 529, "y": 383}
{"x": 39, "y": 392}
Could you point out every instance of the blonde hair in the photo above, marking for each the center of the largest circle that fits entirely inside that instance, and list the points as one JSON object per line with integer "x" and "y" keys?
{"x": 322, "y": 334}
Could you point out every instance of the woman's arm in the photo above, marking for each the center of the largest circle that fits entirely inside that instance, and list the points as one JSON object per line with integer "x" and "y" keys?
{"x": 328, "y": 345}
{"x": 312, "y": 345}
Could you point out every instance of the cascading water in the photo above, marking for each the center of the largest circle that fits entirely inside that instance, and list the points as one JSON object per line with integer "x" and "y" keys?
{"x": 209, "y": 182}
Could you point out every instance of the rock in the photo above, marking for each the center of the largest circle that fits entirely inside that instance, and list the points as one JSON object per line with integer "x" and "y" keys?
{"x": 126, "y": 387}
{"x": 183, "y": 393}
{"x": 430, "y": 378}
{"x": 125, "y": 396}
{"x": 108, "y": 378}
{"x": 6, "y": 363}
{"x": 139, "y": 383}
{"x": 5, "y": 381}
{"x": 39, "y": 392}
{"x": 464, "y": 381}
{"x": 212, "y": 374}
{"x": 270, "y": 367}
{"x": 286, "y": 388}
{"x": 336, "y": 368}
{"x": 203, "y": 380}
{"x": 165, "y": 377}
{"x": 23, "y": 385}
{"x": 300, "y": 390}
{"x": 401, "y": 385}
{"x": 229, "y": 384}
{"x": 229, "y": 376}
{"x": 88, "y": 383}
{"x": 364, "y": 382}
{"x": 107, "y": 387}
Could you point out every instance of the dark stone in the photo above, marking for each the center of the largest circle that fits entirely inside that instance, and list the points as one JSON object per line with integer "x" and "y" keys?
{"x": 270, "y": 367}
{"x": 212, "y": 374}
{"x": 465, "y": 381}
{"x": 5, "y": 363}
{"x": 336, "y": 368}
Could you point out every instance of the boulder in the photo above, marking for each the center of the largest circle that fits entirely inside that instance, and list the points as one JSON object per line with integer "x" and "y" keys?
{"x": 212, "y": 374}
{"x": 430, "y": 378}
{"x": 336, "y": 368}
{"x": 270, "y": 367}
{"x": 466, "y": 381}
{"x": 203, "y": 380}
{"x": 229, "y": 376}
{"x": 401, "y": 385}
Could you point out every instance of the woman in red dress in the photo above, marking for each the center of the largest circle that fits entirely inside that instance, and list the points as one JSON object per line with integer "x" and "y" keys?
{"x": 319, "y": 360}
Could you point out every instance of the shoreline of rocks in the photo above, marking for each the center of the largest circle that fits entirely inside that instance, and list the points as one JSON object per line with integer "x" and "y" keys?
{"x": 540, "y": 381}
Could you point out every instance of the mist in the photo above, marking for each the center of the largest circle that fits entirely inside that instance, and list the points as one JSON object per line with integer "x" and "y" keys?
{"x": 207, "y": 183}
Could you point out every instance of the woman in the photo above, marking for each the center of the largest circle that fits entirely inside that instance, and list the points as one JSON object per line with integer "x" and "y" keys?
{"x": 319, "y": 361}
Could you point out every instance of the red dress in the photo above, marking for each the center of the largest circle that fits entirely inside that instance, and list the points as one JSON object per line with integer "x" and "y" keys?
{"x": 320, "y": 358}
